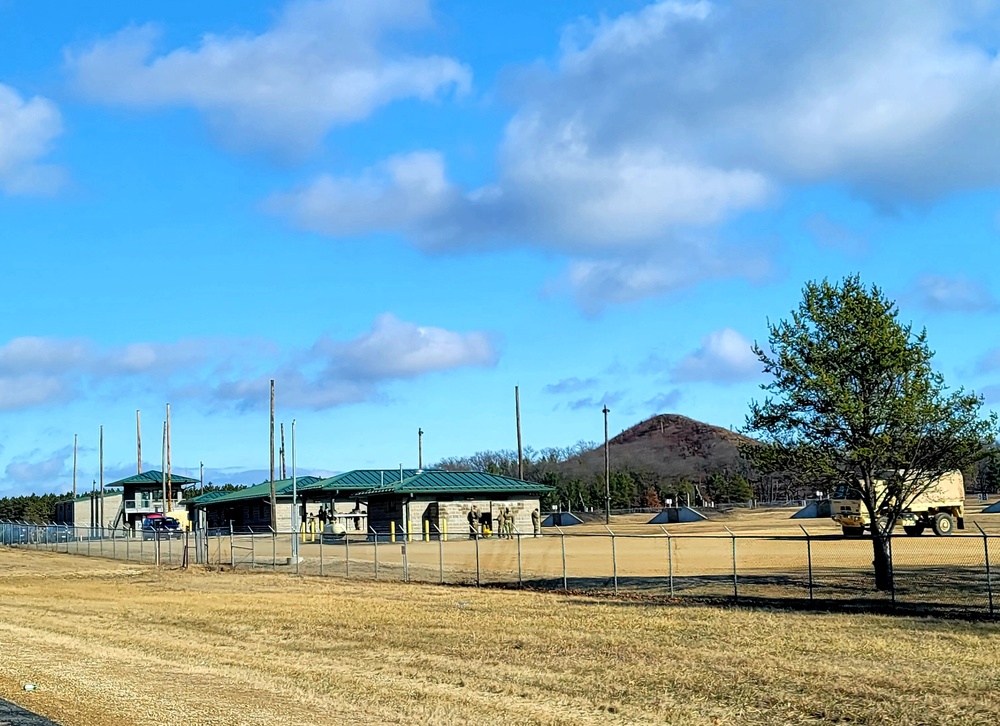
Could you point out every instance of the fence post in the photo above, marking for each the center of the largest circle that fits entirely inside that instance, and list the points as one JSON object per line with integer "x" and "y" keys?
{"x": 520, "y": 579}
{"x": 736, "y": 586}
{"x": 614, "y": 559}
{"x": 375, "y": 539}
{"x": 670, "y": 559}
{"x": 989, "y": 574}
{"x": 127, "y": 540}
{"x": 440, "y": 553}
{"x": 809, "y": 558}
{"x": 232, "y": 552}
{"x": 274, "y": 547}
{"x": 892, "y": 572}
{"x": 321, "y": 551}
{"x": 347, "y": 554}
{"x": 478, "y": 574}
{"x": 170, "y": 550}
{"x": 562, "y": 541}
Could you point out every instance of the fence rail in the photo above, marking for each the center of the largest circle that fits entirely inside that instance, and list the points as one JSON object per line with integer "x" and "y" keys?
{"x": 933, "y": 575}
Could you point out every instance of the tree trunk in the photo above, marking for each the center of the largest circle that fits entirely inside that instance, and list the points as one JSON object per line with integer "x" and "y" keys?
{"x": 882, "y": 561}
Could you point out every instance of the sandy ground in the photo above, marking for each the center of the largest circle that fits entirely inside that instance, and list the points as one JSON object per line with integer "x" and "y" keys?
{"x": 114, "y": 643}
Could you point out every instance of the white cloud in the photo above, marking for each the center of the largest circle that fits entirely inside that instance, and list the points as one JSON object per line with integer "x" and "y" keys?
{"x": 571, "y": 385}
{"x": 656, "y": 126}
{"x": 664, "y": 401}
{"x": 725, "y": 356}
{"x": 27, "y": 130}
{"x": 608, "y": 399}
{"x": 941, "y": 293}
{"x": 335, "y": 373}
{"x": 29, "y": 390}
{"x": 324, "y": 63}
{"x": 38, "y": 472}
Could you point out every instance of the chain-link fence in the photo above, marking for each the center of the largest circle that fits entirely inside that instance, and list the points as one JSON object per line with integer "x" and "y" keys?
{"x": 943, "y": 575}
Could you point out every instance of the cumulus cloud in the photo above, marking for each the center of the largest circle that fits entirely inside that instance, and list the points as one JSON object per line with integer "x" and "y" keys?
{"x": 324, "y": 63}
{"x": 654, "y": 127}
{"x": 725, "y": 356}
{"x": 333, "y": 373}
{"x": 38, "y": 371}
{"x": 942, "y": 293}
{"x": 31, "y": 471}
{"x": 27, "y": 130}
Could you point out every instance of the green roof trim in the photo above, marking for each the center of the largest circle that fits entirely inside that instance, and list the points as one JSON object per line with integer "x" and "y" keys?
{"x": 282, "y": 489}
{"x": 153, "y": 477}
{"x": 459, "y": 482}
{"x": 358, "y": 480}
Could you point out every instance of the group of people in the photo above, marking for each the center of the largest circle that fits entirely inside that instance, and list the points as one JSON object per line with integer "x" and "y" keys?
{"x": 502, "y": 525}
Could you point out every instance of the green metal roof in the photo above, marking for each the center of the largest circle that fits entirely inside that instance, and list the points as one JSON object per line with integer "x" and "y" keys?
{"x": 153, "y": 477}
{"x": 459, "y": 482}
{"x": 210, "y": 496}
{"x": 358, "y": 480}
{"x": 282, "y": 489}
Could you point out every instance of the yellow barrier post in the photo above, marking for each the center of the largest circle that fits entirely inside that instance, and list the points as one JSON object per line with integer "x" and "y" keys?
{"x": 409, "y": 531}
{"x": 444, "y": 529}
{"x": 427, "y": 530}
{"x": 392, "y": 531}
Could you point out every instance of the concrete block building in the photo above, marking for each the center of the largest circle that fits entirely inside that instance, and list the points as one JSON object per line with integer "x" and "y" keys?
{"x": 442, "y": 500}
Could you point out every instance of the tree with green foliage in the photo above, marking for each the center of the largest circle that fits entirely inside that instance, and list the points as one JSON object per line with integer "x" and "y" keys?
{"x": 853, "y": 400}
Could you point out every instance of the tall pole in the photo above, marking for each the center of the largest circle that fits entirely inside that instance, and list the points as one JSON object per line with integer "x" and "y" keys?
{"x": 282, "y": 450}
{"x": 295, "y": 501}
{"x": 517, "y": 416}
{"x": 274, "y": 497}
{"x": 607, "y": 471}
{"x": 163, "y": 470}
{"x": 170, "y": 487}
{"x": 201, "y": 476}
{"x": 138, "y": 442}
{"x": 101, "y": 458}
{"x": 420, "y": 449}
{"x": 74, "y": 466}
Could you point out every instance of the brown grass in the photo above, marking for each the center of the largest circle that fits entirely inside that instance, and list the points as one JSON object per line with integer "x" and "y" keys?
{"x": 113, "y": 643}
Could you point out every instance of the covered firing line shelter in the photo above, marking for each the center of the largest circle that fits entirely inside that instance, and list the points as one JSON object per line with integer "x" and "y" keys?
{"x": 439, "y": 502}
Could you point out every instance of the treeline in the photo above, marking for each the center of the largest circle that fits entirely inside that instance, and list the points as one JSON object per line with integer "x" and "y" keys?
{"x": 578, "y": 485}
{"x": 32, "y": 508}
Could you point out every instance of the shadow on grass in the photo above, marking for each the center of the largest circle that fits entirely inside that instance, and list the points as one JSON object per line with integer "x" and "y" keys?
{"x": 963, "y": 593}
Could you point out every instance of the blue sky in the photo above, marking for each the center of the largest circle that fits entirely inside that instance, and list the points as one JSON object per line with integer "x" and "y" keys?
{"x": 401, "y": 209}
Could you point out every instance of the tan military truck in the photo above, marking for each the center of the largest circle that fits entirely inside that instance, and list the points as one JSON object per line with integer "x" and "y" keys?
{"x": 941, "y": 507}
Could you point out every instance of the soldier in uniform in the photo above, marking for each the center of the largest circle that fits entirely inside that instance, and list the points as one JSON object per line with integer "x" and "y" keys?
{"x": 536, "y": 521}
{"x": 473, "y": 522}
{"x": 508, "y": 521}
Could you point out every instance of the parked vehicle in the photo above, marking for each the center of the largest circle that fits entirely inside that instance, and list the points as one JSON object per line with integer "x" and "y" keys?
{"x": 156, "y": 526}
{"x": 941, "y": 506}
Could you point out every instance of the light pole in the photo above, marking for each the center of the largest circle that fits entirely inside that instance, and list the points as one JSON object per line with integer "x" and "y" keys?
{"x": 295, "y": 501}
{"x": 607, "y": 470}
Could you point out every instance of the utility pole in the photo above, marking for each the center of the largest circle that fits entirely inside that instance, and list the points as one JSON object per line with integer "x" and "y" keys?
{"x": 295, "y": 501}
{"x": 101, "y": 456}
{"x": 163, "y": 470}
{"x": 201, "y": 476}
{"x": 274, "y": 497}
{"x": 607, "y": 470}
{"x": 420, "y": 449}
{"x": 170, "y": 486}
{"x": 138, "y": 442}
{"x": 517, "y": 416}
{"x": 74, "y": 470}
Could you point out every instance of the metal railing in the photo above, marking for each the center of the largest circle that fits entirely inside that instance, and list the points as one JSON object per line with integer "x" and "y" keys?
{"x": 933, "y": 575}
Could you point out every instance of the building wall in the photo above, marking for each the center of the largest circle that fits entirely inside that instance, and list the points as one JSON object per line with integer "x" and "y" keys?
{"x": 78, "y": 513}
{"x": 383, "y": 510}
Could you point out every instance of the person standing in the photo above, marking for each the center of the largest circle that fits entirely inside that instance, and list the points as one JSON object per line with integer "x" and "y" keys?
{"x": 473, "y": 522}
{"x": 508, "y": 521}
{"x": 536, "y": 521}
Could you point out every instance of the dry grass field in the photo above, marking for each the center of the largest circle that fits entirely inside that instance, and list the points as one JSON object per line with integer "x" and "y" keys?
{"x": 117, "y": 643}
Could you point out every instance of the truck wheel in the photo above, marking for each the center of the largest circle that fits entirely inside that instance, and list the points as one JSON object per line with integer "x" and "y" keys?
{"x": 853, "y": 531}
{"x": 914, "y": 531}
{"x": 943, "y": 524}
